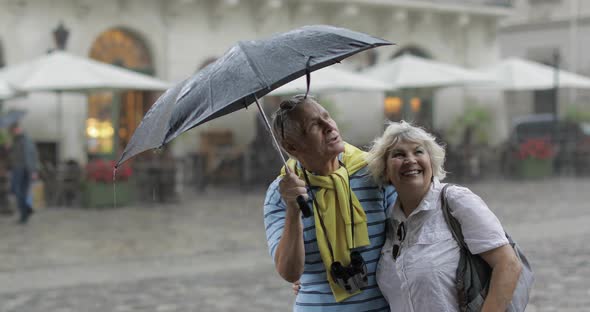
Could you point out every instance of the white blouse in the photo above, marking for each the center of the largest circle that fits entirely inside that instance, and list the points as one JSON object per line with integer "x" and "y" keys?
{"x": 424, "y": 276}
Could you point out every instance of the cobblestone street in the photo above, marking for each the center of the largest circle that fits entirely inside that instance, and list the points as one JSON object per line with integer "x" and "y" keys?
{"x": 209, "y": 252}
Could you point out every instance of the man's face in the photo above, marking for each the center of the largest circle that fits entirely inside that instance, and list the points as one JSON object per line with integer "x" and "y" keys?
{"x": 320, "y": 141}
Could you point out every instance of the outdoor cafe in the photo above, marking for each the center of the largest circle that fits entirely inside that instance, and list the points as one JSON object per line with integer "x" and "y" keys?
{"x": 119, "y": 97}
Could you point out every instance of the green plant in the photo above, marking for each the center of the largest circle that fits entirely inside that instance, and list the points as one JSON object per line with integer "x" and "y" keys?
{"x": 577, "y": 114}
{"x": 4, "y": 137}
{"x": 476, "y": 118}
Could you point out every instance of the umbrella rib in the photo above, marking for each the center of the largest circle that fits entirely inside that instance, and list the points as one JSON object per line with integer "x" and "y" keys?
{"x": 295, "y": 50}
{"x": 259, "y": 74}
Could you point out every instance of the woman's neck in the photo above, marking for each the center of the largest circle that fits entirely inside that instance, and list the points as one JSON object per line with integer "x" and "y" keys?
{"x": 410, "y": 201}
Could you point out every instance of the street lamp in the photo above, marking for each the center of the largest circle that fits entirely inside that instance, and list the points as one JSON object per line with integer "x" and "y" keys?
{"x": 60, "y": 36}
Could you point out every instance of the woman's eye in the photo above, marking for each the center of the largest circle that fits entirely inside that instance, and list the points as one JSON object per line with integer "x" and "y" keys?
{"x": 397, "y": 155}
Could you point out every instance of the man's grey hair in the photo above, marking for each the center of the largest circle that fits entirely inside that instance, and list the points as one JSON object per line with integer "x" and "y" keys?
{"x": 404, "y": 131}
{"x": 285, "y": 125}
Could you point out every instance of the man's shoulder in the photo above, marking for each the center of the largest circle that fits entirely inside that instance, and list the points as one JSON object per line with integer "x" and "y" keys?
{"x": 362, "y": 177}
{"x": 274, "y": 185}
{"x": 273, "y": 197}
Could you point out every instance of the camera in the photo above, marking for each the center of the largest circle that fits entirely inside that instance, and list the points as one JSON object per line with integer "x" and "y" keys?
{"x": 352, "y": 277}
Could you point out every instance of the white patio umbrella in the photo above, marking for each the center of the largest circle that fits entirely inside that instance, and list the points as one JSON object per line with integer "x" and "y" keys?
{"x": 519, "y": 74}
{"x": 332, "y": 79}
{"x": 63, "y": 72}
{"x": 6, "y": 91}
{"x": 409, "y": 71}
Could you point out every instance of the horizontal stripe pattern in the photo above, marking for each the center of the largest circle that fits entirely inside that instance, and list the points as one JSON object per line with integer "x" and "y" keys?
{"x": 315, "y": 294}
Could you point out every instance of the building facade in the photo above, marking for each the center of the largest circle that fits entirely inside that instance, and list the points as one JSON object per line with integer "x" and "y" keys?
{"x": 549, "y": 31}
{"x": 173, "y": 39}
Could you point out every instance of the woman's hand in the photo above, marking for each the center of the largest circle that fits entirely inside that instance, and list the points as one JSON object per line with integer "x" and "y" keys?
{"x": 506, "y": 268}
{"x": 296, "y": 287}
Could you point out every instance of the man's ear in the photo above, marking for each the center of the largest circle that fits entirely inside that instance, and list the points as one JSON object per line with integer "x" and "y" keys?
{"x": 290, "y": 148}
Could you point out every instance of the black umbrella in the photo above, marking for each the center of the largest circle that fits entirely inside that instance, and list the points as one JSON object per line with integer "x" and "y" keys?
{"x": 11, "y": 117}
{"x": 245, "y": 73}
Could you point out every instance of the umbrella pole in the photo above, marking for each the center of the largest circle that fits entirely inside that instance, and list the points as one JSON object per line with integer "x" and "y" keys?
{"x": 58, "y": 151}
{"x": 303, "y": 206}
{"x": 274, "y": 139}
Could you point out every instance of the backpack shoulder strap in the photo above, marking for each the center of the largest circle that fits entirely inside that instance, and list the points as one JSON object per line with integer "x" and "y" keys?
{"x": 452, "y": 222}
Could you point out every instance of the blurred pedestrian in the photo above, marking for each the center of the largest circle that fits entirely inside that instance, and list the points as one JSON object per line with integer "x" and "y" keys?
{"x": 334, "y": 252}
{"x": 24, "y": 168}
{"x": 5, "y": 208}
{"x": 420, "y": 253}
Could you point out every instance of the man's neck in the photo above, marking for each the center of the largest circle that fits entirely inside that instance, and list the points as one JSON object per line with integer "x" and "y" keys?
{"x": 325, "y": 168}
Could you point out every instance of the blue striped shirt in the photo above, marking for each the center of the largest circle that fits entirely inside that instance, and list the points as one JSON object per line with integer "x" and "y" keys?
{"x": 315, "y": 294}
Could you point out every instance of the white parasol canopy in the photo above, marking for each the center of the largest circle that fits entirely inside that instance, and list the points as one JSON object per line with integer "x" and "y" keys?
{"x": 409, "y": 71}
{"x": 520, "y": 74}
{"x": 6, "y": 92}
{"x": 61, "y": 71}
{"x": 330, "y": 79}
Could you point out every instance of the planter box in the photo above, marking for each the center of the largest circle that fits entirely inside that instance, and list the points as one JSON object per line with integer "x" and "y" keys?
{"x": 536, "y": 168}
{"x": 100, "y": 195}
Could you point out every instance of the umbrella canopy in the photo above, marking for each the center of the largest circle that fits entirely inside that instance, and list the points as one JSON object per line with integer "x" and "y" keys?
{"x": 11, "y": 117}
{"x": 520, "y": 74}
{"x": 409, "y": 71}
{"x": 61, "y": 71}
{"x": 332, "y": 79}
{"x": 245, "y": 73}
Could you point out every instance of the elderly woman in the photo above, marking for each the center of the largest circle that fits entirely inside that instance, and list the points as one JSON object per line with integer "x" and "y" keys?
{"x": 419, "y": 260}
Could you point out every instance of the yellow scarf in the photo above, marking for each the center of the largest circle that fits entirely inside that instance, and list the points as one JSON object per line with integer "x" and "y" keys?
{"x": 334, "y": 207}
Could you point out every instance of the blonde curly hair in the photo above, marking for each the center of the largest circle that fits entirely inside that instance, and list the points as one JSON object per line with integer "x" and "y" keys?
{"x": 403, "y": 131}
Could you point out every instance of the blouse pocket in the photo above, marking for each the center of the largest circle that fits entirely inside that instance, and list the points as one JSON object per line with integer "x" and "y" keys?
{"x": 434, "y": 250}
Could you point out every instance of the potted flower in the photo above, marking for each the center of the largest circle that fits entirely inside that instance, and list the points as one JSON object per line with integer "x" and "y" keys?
{"x": 536, "y": 157}
{"x": 101, "y": 190}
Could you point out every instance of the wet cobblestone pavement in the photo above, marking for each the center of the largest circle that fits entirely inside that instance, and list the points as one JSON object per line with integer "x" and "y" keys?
{"x": 209, "y": 252}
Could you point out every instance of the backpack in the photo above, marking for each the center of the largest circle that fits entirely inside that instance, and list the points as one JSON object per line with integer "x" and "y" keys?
{"x": 474, "y": 274}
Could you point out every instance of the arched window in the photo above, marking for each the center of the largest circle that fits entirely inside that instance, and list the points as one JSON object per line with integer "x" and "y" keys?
{"x": 126, "y": 49}
{"x": 416, "y": 103}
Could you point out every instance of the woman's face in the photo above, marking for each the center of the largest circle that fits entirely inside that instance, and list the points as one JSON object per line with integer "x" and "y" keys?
{"x": 409, "y": 168}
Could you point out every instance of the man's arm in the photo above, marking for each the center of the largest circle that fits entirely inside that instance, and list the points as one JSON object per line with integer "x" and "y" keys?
{"x": 290, "y": 253}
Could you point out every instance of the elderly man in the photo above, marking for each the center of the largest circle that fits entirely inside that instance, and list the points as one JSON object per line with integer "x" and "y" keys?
{"x": 333, "y": 253}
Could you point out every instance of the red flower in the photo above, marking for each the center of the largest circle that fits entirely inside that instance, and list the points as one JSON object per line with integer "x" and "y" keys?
{"x": 100, "y": 170}
{"x": 537, "y": 148}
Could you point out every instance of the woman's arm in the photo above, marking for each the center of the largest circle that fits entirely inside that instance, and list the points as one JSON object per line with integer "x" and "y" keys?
{"x": 506, "y": 269}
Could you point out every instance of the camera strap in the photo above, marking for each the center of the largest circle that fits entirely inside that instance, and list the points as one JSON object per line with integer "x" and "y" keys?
{"x": 352, "y": 226}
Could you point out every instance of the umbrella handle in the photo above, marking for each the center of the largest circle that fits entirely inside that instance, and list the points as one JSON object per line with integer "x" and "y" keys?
{"x": 305, "y": 210}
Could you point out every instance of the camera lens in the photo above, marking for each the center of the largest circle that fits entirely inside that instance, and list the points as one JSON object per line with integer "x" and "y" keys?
{"x": 338, "y": 270}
